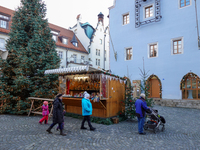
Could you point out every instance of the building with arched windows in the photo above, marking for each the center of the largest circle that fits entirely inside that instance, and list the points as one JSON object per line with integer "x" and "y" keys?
{"x": 162, "y": 36}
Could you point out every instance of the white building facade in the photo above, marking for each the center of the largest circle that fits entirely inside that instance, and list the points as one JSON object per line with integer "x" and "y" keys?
{"x": 95, "y": 41}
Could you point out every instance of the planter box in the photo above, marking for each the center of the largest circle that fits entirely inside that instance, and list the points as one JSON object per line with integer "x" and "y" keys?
{"x": 115, "y": 120}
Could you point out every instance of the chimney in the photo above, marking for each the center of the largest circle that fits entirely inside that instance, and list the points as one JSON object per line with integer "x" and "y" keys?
{"x": 100, "y": 17}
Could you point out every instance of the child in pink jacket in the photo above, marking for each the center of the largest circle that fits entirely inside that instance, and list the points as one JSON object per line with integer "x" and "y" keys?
{"x": 45, "y": 112}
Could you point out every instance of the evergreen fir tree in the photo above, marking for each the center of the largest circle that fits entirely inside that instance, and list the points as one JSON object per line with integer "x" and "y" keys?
{"x": 145, "y": 85}
{"x": 31, "y": 52}
{"x": 129, "y": 102}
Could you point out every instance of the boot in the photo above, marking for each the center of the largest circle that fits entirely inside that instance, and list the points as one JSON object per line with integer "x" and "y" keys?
{"x": 92, "y": 128}
{"x": 82, "y": 127}
{"x": 49, "y": 130}
{"x": 61, "y": 133}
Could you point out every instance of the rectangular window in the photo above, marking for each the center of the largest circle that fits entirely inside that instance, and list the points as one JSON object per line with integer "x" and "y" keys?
{"x": 178, "y": 46}
{"x": 184, "y": 3}
{"x": 82, "y": 59}
{"x": 97, "y": 52}
{"x": 2, "y": 44}
{"x": 100, "y": 41}
{"x": 3, "y": 24}
{"x": 128, "y": 53}
{"x": 75, "y": 44}
{"x": 54, "y": 37}
{"x": 4, "y": 20}
{"x": 153, "y": 49}
{"x": 125, "y": 19}
{"x": 97, "y": 62}
{"x": 75, "y": 58}
{"x": 60, "y": 54}
{"x": 149, "y": 11}
{"x": 64, "y": 41}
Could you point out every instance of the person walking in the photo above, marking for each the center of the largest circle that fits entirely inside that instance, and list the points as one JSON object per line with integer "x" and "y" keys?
{"x": 45, "y": 113}
{"x": 57, "y": 114}
{"x": 141, "y": 108}
{"x": 86, "y": 111}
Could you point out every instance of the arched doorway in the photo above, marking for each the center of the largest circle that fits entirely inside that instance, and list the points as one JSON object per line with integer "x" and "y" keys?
{"x": 190, "y": 86}
{"x": 155, "y": 87}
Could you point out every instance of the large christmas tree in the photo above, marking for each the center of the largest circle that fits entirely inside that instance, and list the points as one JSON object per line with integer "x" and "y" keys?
{"x": 31, "y": 52}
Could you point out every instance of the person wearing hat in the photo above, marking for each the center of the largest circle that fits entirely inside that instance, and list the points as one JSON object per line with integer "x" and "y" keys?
{"x": 57, "y": 114}
{"x": 141, "y": 108}
{"x": 86, "y": 111}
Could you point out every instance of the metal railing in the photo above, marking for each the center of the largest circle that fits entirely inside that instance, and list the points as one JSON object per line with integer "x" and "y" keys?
{"x": 78, "y": 61}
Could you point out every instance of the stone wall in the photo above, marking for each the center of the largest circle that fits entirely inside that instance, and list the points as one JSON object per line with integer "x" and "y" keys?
{"x": 178, "y": 103}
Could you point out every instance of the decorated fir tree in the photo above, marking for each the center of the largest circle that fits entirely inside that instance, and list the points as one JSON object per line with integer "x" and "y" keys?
{"x": 129, "y": 103}
{"x": 31, "y": 52}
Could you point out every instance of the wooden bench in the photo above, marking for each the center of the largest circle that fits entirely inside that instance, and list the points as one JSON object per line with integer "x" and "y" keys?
{"x": 34, "y": 110}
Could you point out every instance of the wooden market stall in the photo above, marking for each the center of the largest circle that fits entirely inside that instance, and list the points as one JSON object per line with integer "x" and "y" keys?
{"x": 106, "y": 89}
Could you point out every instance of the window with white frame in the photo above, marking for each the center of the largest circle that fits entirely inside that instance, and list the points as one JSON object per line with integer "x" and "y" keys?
{"x": 100, "y": 41}
{"x": 128, "y": 53}
{"x": 126, "y": 19}
{"x": 75, "y": 58}
{"x": 177, "y": 46}
{"x": 148, "y": 11}
{"x": 83, "y": 57}
{"x": 2, "y": 44}
{"x": 97, "y": 52}
{"x": 184, "y": 3}
{"x": 153, "y": 50}
{"x": 75, "y": 44}
{"x": 97, "y": 62}
{"x": 60, "y": 54}
{"x": 4, "y": 21}
{"x": 64, "y": 41}
{"x": 54, "y": 35}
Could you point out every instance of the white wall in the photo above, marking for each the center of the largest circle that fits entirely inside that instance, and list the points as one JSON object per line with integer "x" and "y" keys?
{"x": 4, "y": 54}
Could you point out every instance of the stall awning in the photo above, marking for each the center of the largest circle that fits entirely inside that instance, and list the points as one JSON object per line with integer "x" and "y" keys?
{"x": 80, "y": 69}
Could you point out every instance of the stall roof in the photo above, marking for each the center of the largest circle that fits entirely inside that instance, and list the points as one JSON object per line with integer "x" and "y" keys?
{"x": 71, "y": 70}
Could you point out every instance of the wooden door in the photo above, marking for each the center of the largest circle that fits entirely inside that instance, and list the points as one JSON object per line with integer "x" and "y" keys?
{"x": 154, "y": 88}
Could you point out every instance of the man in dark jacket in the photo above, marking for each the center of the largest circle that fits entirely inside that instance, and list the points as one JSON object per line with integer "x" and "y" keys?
{"x": 141, "y": 108}
{"x": 57, "y": 114}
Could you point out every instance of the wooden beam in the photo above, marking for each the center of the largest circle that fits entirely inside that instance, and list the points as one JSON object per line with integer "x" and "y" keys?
{"x": 42, "y": 99}
{"x": 31, "y": 107}
{"x": 102, "y": 105}
{"x": 35, "y": 112}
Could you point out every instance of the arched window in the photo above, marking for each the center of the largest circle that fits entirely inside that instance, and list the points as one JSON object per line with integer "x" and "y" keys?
{"x": 190, "y": 86}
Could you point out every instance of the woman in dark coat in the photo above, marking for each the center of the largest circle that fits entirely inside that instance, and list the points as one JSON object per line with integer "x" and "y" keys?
{"x": 57, "y": 114}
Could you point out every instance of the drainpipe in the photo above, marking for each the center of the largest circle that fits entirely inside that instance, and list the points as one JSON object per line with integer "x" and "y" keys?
{"x": 197, "y": 25}
{"x": 66, "y": 59}
{"x": 104, "y": 47}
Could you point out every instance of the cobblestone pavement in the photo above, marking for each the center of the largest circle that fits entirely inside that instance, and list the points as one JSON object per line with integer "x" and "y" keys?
{"x": 182, "y": 132}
